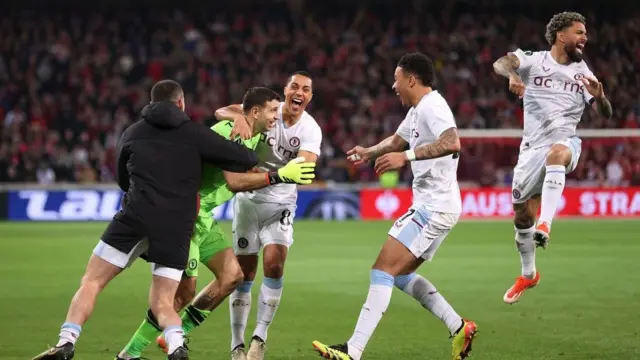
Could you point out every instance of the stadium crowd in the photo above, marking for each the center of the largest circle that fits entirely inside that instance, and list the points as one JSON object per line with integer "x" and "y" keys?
{"x": 70, "y": 84}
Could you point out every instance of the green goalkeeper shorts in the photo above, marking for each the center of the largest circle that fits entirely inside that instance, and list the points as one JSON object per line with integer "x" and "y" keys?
{"x": 207, "y": 240}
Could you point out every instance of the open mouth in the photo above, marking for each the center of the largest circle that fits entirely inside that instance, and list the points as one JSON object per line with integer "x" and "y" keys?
{"x": 297, "y": 103}
{"x": 580, "y": 46}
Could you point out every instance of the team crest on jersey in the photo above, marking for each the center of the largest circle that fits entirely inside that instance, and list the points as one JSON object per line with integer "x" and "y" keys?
{"x": 193, "y": 264}
{"x": 243, "y": 243}
{"x": 294, "y": 141}
{"x": 578, "y": 76}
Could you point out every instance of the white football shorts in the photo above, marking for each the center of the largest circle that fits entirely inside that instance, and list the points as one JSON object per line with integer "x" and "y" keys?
{"x": 528, "y": 175}
{"x": 256, "y": 225}
{"x": 422, "y": 230}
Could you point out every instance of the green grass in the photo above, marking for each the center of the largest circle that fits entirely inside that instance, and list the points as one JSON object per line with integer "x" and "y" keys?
{"x": 587, "y": 305}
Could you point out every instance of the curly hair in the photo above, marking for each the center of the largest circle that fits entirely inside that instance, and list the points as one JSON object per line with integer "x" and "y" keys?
{"x": 560, "y": 22}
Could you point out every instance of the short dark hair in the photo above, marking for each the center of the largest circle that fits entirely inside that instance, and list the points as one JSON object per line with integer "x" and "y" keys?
{"x": 560, "y": 22}
{"x": 166, "y": 90}
{"x": 258, "y": 96}
{"x": 420, "y": 66}
{"x": 301, "y": 73}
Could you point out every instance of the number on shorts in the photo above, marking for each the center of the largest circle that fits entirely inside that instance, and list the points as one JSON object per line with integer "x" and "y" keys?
{"x": 285, "y": 219}
{"x": 405, "y": 216}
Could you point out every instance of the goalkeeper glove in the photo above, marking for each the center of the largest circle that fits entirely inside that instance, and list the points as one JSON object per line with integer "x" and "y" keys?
{"x": 295, "y": 172}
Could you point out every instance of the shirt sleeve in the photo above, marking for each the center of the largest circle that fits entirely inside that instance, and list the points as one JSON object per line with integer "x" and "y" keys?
{"x": 526, "y": 58}
{"x": 588, "y": 98}
{"x": 438, "y": 118}
{"x": 404, "y": 130}
{"x": 312, "y": 141}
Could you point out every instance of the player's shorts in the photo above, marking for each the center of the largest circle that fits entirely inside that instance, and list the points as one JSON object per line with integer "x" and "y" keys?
{"x": 256, "y": 225}
{"x": 422, "y": 230}
{"x": 208, "y": 240}
{"x": 528, "y": 175}
{"x": 125, "y": 239}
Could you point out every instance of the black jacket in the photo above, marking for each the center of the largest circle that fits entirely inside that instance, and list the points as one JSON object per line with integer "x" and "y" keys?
{"x": 159, "y": 165}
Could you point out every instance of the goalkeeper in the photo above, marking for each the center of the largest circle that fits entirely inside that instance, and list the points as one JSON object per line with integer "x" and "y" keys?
{"x": 209, "y": 246}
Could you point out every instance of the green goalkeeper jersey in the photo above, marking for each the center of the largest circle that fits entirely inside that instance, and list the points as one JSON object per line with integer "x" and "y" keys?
{"x": 213, "y": 188}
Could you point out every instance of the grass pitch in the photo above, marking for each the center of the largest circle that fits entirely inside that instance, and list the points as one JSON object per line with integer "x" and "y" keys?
{"x": 587, "y": 305}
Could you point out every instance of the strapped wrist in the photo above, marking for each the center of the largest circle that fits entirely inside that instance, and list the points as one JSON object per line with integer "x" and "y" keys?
{"x": 411, "y": 155}
{"x": 273, "y": 177}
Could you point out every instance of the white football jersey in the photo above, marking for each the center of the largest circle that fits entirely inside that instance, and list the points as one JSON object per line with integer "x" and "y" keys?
{"x": 435, "y": 183}
{"x": 279, "y": 146}
{"x": 554, "y": 97}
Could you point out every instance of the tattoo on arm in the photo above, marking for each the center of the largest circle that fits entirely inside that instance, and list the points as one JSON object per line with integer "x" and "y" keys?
{"x": 390, "y": 144}
{"x": 448, "y": 143}
{"x": 507, "y": 65}
{"x": 603, "y": 107}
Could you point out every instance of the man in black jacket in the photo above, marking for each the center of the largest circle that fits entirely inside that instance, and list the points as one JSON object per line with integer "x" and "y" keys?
{"x": 159, "y": 168}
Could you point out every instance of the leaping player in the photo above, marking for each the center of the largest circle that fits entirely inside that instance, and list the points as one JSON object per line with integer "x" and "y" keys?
{"x": 430, "y": 131}
{"x": 263, "y": 219}
{"x": 555, "y": 86}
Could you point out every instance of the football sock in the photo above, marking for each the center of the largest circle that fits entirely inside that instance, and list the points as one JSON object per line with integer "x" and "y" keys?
{"x": 174, "y": 337}
{"x": 552, "y": 192}
{"x": 239, "y": 309}
{"x": 268, "y": 301}
{"x": 147, "y": 332}
{"x": 377, "y": 303}
{"x": 192, "y": 317}
{"x": 527, "y": 250}
{"x": 428, "y": 296}
{"x": 69, "y": 333}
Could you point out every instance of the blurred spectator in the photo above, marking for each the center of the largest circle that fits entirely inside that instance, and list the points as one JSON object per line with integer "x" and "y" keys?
{"x": 70, "y": 84}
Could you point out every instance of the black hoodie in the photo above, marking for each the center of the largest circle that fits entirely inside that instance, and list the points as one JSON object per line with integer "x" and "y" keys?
{"x": 159, "y": 165}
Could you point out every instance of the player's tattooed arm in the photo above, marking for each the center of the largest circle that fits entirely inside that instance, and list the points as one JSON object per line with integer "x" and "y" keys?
{"x": 507, "y": 65}
{"x": 603, "y": 107}
{"x": 393, "y": 143}
{"x": 448, "y": 143}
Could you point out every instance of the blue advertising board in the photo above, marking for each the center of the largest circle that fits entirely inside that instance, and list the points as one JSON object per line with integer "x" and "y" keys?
{"x": 101, "y": 205}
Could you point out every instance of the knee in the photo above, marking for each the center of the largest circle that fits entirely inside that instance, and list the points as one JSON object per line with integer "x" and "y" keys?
{"x": 274, "y": 270}
{"x": 229, "y": 282}
{"x": 523, "y": 219}
{"x": 92, "y": 283}
{"x": 558, "y": 156}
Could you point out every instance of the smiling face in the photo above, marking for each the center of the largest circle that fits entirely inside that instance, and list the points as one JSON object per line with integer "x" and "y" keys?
{"x": 298, "y": 94}
{"x": 402, "y": 85}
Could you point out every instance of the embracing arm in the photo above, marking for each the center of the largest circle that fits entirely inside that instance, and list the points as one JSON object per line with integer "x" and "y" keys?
{"x": 231, "y": 112}
{"x": 507, "y": 66}
{"x": 448, "y": 143}
{"x": 238, "y": 182}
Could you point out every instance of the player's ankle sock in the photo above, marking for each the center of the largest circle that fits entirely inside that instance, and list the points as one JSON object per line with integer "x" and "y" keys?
{"x": 527, "y": 250}
{"x": 174, "y": 337}
{"x": 270, "y": 293}
{"x": 69, "y": 333}
{"x": 552, "y": 192}
{"x": 239, "y": 309}
{"x": 147, "y": 332}
{"x": 423, "y": 290}
{"x": 192, "y": 317}
{"x": 377, "y": 303}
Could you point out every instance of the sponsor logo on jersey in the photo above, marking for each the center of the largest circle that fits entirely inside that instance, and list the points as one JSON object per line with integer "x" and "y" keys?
{"x": 558, "y": 84}
{"x": 286, "y": 153}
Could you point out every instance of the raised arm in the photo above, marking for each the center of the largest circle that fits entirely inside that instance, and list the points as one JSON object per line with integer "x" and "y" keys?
{"x": 359, "y": 155}
{"x": 507, "y": 66}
